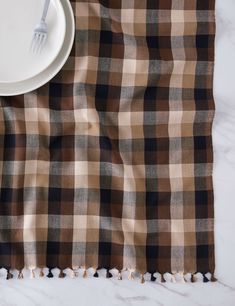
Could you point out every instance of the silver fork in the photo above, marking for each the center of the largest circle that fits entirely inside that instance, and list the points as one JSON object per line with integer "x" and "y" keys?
{"x": 40, "y": 32}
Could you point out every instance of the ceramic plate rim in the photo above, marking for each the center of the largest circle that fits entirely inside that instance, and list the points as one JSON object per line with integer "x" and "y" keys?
{"x": 59, "y": 5}
{"x": 18, "y": 88}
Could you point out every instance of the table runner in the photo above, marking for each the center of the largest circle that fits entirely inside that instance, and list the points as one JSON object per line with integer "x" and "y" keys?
{"x": 109, "y": 165}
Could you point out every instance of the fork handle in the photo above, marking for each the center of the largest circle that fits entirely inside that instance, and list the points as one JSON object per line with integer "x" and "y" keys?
{"x": 45, "y": 10}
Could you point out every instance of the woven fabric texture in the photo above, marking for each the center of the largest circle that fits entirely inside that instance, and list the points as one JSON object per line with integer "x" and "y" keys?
{"x": 110, "y": 163}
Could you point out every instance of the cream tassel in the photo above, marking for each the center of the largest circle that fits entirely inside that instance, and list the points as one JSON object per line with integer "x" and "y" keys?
{"x": 72, "y": 274}
{"x": 119, "y": 275}
{"x": 173, "y": 278}
{"x": 131, "y": 276}
{"x": 75, "y": 270}
{"x": 32, "y": 274}
{"x": 182, "y": 280}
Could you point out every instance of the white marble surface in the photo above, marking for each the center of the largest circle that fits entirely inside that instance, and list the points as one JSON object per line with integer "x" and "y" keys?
{"x": 103, "y": 292}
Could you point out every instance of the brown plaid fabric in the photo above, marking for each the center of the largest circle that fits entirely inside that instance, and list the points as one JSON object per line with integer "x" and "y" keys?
{"x": 110, "y": 164}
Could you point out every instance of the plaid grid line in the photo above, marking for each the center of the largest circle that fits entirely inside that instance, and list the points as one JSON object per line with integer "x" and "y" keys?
{"x": 110, "y": 163}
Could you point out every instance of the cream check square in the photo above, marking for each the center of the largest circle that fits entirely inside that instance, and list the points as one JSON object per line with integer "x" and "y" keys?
{"x": 175, "y": 170}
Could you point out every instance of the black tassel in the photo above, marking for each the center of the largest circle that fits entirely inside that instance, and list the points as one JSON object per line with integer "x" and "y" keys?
{"x": 50, "y": 275}
{"x": 9, "y": 275}
{"x": 96, "y": 274}
{"x": 108, "y": 274}
{"x": 205, "y": 279}
{"x": 162, "y": 279}
{"x": 153, "y": 278}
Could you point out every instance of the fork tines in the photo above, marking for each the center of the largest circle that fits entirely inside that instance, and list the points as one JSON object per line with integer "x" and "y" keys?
{"x": 38, "y": 41}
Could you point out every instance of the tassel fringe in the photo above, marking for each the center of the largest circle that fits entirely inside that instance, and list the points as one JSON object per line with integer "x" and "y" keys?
{"x": 193, "y": 279}
{"x": 85, "y": 274}
{"x": 162, "y": 278}
{"x": 173, "y": 278}
{"x": 119, "y": 275}
{"x": 108, "y": 274}
{"x": 153, "y": 278}
{"x": 62, "y": 274}
{"x": 182, "y": 279}
{"x": 32, "y": 274}
{"x": 179, "y": 277}
{"x": 205, "y": 279}
{"x": 213, "y": 278}
{"x": 96, "y": 274}
{"x": 131, "y": 276}
{"x": 9, "y": 275}
{"x": 20, "y": 275}
{"x": 72, "y": 274}
{"x": 142, "y": 279}
{"x": 41, "y": 274}
{"x": 50, "y": 275}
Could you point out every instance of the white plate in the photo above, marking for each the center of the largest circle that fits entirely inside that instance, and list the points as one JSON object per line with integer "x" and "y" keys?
{"x": 17, "y": 88}
{"x": 18, "y": 19}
